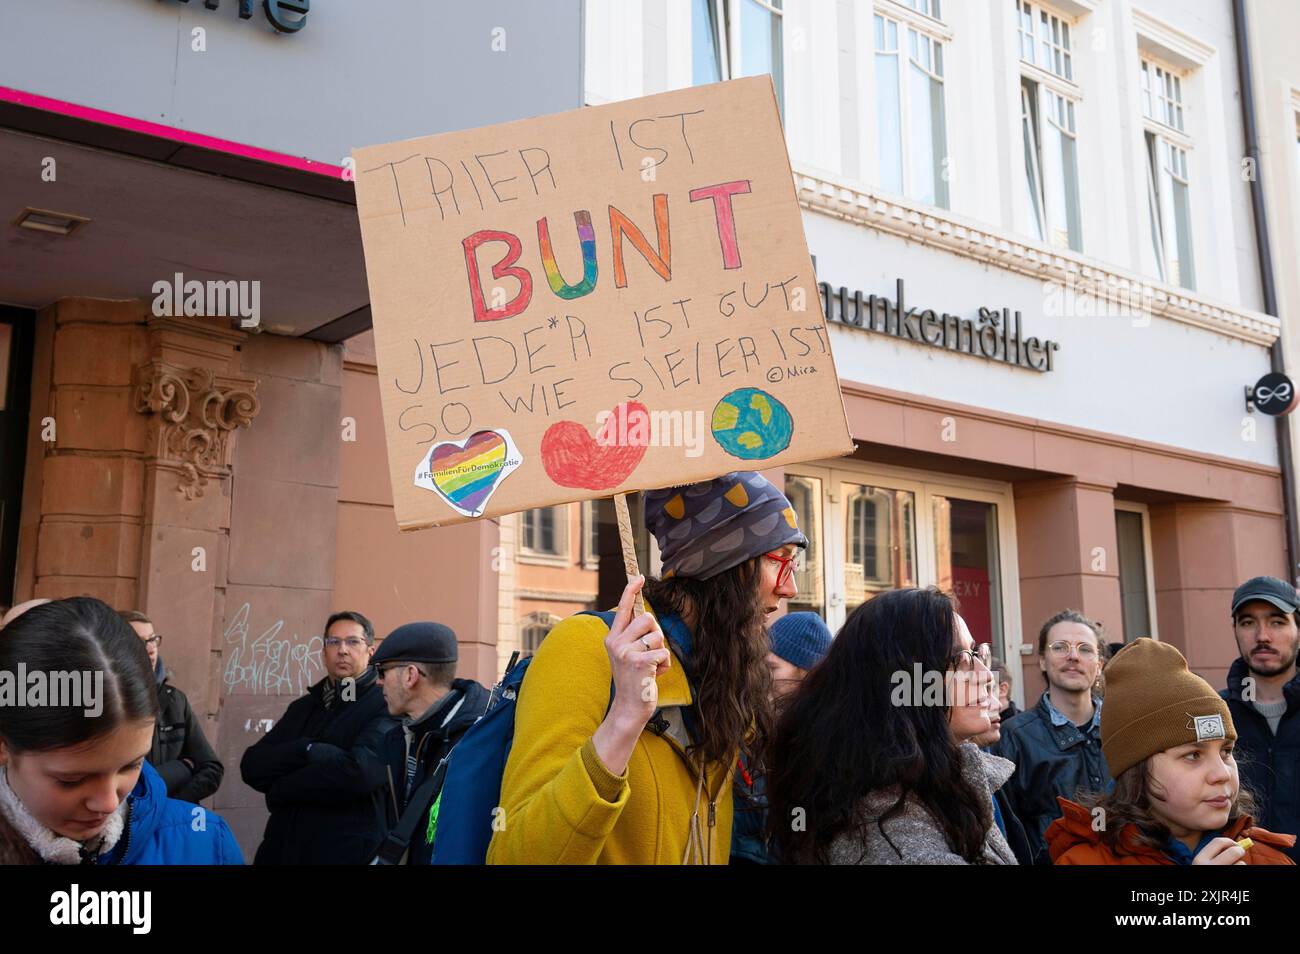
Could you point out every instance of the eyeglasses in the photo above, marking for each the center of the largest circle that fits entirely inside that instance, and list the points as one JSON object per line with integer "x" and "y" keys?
{"x": 1062, "y": 649}
{"x": 381, "y": 670}
{"x": 964, "y": 660}
{"x": 155, "y": 640}
{"x": 352, "y": 642}
{"x": 788, "y": 565}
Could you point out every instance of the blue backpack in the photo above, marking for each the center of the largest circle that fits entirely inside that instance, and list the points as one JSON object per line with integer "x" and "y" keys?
{"x": 471, "y": 791}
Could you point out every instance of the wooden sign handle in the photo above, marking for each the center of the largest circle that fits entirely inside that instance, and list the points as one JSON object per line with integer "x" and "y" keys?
{"x": 629, "y": 547}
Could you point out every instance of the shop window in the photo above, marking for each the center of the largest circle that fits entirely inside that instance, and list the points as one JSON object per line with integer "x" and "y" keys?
{"x": 733, "y": 38}
{"x": 1133, "y": 543}
{"x": 1168, "y": 181}
{"x": 544, "y": 531}
{"x": 16, "y": 336}
{"x": 805, "y": 495}
{"x": 911, "y": 141}
{"x": 967, "y": 562}
{"x": 879, "y": 542}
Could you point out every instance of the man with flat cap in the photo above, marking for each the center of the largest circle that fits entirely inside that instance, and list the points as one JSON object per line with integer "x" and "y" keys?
{"x": 1263, "y": 695}
{"x": 417, "y": 669}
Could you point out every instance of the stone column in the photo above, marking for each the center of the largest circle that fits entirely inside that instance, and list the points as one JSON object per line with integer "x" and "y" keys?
{"x": 193, "y": 401}
{"x": 1065, "y": 537}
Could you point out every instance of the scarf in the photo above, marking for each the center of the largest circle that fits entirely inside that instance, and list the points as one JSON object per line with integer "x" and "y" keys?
{"x": 52, "y": 847}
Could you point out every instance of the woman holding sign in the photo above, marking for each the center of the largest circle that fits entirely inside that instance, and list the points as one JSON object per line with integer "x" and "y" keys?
{"x": 626, "y": 735}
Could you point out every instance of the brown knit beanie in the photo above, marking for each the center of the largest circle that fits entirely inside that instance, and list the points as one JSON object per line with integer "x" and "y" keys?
{"x": 1154, "y": 703}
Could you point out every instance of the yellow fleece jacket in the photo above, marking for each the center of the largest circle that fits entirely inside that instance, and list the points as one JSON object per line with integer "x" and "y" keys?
{"x": 562, "y": 806}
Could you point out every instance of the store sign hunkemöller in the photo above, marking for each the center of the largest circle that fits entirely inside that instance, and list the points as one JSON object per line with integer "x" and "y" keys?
{"x": 287, "y": 16}
{"x": 996, "y": 335}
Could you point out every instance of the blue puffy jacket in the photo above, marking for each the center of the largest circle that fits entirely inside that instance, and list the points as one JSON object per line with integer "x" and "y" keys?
{"x": 162, "y": 830}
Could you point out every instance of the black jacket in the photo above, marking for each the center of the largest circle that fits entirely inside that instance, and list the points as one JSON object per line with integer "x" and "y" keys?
{"x": 177, "y": 737}
{"x": 432, "y": 737}
{"x": 1050, "y": 761}
{"x": 327, "y": 805}
{"x": 1269, "y": 764}
{"x": 1017, "y": 839}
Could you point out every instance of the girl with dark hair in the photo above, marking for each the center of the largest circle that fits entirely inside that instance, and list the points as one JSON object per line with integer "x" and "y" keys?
{"x": 74, "y": 784}
{"x": 627, "y": 735}
{"x": 872, "y": 763}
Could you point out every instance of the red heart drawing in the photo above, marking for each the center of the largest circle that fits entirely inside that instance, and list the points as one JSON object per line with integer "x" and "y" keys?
{"x": 573, "y": 458}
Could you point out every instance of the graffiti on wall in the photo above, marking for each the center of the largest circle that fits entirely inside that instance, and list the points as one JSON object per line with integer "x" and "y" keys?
{"x": 269, "y": 663}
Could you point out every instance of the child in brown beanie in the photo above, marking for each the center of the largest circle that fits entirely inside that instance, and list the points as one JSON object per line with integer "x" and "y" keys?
{"x": 1168, "y": 740}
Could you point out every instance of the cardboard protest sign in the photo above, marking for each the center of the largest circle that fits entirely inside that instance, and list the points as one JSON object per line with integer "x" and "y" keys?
{"x": 605, "y": 300}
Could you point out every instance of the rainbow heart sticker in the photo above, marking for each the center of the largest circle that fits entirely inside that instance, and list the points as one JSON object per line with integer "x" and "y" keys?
{"x": 466, "y": 474}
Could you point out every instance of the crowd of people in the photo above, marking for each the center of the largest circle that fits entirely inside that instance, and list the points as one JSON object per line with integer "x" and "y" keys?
{"x": 693, "y": 732}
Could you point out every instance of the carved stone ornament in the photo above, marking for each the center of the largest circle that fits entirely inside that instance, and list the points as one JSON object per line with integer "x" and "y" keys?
{"x": 196, "y": 409}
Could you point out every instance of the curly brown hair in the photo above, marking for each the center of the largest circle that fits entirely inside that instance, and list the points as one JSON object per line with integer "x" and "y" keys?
{"x": 728, "y": 667}
{"x": 1129, "y": 803}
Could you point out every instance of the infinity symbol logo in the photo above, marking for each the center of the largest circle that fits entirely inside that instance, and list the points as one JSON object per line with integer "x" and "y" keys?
{"x": 1266, "y": 394}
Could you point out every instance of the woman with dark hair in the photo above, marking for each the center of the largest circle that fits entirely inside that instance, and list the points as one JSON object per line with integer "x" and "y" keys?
{"x": 871, "y": 761}
{"x": 78, "y": 704}
{"x": 626, "y": 735}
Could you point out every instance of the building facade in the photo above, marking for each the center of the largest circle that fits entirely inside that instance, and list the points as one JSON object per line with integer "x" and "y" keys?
{"x": 183, "y": 429}
{"x": 1036, "y": 252}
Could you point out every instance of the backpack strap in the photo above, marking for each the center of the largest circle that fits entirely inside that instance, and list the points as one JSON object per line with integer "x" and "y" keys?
{"x": 657, "y": 723}
{"x": 393, "y": 849}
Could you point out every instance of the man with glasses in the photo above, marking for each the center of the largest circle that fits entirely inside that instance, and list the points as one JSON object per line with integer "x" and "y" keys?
{"x": 320, "y": 766}
{"x": 417, "y": 669}
{"x": 1057, "y": 744}
{"x": 180, "y": 751}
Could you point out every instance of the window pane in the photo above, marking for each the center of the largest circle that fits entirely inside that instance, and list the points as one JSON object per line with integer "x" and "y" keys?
{"x": 1183, "y": 224}
{"x": 966, "y": 564}
{"x": 705, "y": 65}
{"x": 1153, "y": 206}
{"x": 1134, "y": 599}
{"x": 1060, "y": 179}
{"x": 805, "y": 495}
{"x": 880, "y": 541}
{"x": 925, "y": 105}
{"x": 1028, "y": 128}
{"x": 889, "y": 123}
{"x": 760, "y": 43}
{"x": 546, "y": 524}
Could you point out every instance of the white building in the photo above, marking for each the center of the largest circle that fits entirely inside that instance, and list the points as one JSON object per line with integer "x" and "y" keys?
{"x": 1065, "y": 176}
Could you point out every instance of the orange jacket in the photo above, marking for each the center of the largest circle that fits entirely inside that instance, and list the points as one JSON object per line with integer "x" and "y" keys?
{"x": 1071, "y": 840}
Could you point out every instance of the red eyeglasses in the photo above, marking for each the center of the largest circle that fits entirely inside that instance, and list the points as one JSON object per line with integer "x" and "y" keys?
{"x": 788, "y": 565}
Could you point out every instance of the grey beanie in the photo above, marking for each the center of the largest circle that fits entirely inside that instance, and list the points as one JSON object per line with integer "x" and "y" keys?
{"x": 707, "y": 528}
